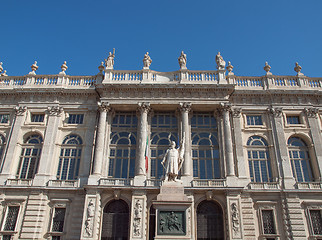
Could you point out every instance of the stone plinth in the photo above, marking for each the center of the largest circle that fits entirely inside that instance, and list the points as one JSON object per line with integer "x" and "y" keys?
{"x": 173, "y": 212}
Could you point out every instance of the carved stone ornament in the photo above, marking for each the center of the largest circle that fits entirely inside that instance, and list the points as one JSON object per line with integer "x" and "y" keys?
{"x": 20, "y": 110}
{"x": 235, "y": 219}
{"x": 182, "y": 61}
{"x": 55, "y": 110}
{"x": 1, "y": 68}
{"x": 147, "y": 61}
{"x": 34, "y": 68}
{"x": 267, "y": 68}
{"x": 89, "y": 222}
{"x": 63, "y": 68}
{"x": 236, "y": 112}
{"x": 144, "y": 107}
{"x": 225, "y": 107}
{"x": 298, "y": 69}
{"x": 230, "y": 68}
{"x": 275, "y": 111}
{"x": 101, "y": 67}
{"x": 185, "y": 107}
{"x": 103, "y": 106}
{"x": 138, "y": 218}
{"x": 311, "y": 112}
{"x": 171, "y": 223}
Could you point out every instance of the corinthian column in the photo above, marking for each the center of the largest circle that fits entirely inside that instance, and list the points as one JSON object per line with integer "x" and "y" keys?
{"x": 143, "y": 110}
{"x": 228, "y": 140}
{"x": 185, "y": 108}
{"x": 99, "y": 146}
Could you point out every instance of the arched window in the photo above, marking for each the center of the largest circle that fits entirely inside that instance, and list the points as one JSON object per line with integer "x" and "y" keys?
{"x": 30, "y": 156}
{"x": 2, "y": 145}
{"x": 164, "y": 130}
{"x": 258, "y": 159}
{"x": 115, "y": 221}
{"x": 123, "y": 145}
{"x": 300, "y": 159}
{"x": 122, "y": 155}
{"x": 205, "y": 148}
{"x": 70, "y": 156}
{"x": 210, "y": 221}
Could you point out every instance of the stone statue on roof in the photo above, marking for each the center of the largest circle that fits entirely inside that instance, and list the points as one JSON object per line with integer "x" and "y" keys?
{"x": 220, "y": 62}
{"x": 147, "y": 61}
{"x": 183, "y": 61}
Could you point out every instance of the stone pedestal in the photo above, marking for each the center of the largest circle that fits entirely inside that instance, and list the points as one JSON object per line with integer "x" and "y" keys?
{"x": 173, "y": 213}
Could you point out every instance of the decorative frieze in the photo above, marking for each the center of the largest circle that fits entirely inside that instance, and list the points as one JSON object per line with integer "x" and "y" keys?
{"x": 137, "y": 218}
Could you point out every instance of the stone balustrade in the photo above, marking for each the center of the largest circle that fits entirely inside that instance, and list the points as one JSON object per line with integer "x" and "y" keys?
{"x": 63, "y": 183}
{"x": 135, "y": 77}
{"x": 309, "y": 185}
{"x": 264, "y": 185}
{"x": 19, "y": 182}
{"x": 215, "y": 183}
{"x": 115, "y": 182}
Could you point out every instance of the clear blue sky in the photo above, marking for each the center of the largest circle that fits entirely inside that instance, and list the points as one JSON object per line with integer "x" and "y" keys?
{"x": 246, "y": 32}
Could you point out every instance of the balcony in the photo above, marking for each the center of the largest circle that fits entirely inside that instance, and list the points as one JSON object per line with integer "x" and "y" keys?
{"x": 63, "y": 183}
{"x": 308, "y": 185}
{"x": 264, "y": 185}
{"x": 215, "y": 183}
{"x": 19, "y": 182}
{"x": 115, "y": 182}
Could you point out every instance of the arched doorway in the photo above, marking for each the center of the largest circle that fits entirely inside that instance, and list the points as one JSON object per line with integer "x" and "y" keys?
{"x": 210, "y": 222}
{"x": 115, "y": 221}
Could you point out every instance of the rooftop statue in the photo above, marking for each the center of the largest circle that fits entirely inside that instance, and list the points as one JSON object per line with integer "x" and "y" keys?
{"x": 183, "y": 61}
{"x": 109, "y": 62}
{"x": 173, "y": 160}
{"x": 220, "y": 62}
{"x": 147, "y": 61}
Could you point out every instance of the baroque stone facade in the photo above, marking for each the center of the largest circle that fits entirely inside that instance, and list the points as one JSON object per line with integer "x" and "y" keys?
{"x": 81, "y": 155}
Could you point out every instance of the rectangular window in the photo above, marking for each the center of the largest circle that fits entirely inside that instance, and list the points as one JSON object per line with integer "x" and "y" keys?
{"x": 4, "y": 118}
{"x": 254, "y": 120}
{"x": 75, "y": 118}
{"x": 58, "y": 220}
{"x": 37, "y": 117}
{"x": 316, "y": 221}
{"x": 6, "y": 237}
{"x": 55, "y": 238}
{"x": 11, "y": 219}
{"x": 293, "y": 120}
{"x": 268, "y": 222}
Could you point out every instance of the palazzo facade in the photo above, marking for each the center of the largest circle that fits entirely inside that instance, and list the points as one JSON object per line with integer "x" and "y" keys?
{"x": 81, "y": 155}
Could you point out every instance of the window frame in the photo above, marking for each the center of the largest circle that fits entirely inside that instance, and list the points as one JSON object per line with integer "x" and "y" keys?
{"x": 299, "y": 114}
{"x": 12, "y": 202}
{"x": 58, "y": 203}
{"x": 308, "y": 206}
{"x": 249, "y": 114}
{"x": 267, "y": 206}
{"x": 9, "y": 118}
{"x": 68, "y": 115}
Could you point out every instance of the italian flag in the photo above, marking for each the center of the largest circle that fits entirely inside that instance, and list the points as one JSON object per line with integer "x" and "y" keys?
{"x": 146, "y": 154}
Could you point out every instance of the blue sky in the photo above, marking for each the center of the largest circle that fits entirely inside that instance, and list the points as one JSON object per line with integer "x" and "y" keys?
{"x": 247, "y": 33}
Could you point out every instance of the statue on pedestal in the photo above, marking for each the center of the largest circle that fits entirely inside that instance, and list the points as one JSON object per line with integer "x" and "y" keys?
{"x": 109, "y": 62}
{"x": 147, "y": 61}
{"x": 183, "y": 61}
{"x": 220, "y": 62}
{"x": 173, "y": 160}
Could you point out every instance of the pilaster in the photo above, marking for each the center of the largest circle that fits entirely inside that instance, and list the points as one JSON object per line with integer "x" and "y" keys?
{"x": 312, "y": 117}
{"x": 45, "y": 163}
{"x": 234, "y": 216}
{"x": 10, "y": 160}
{"x": 138, "y": 224}
{"x": 281, "y": 147}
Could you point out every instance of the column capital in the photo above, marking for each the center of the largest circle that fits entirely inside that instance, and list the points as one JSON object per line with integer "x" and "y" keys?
{"x": 236, "y": 112}
{"x": 144, "y": 107}
{"x": 311, "y": 112}
{"x": 275, "y": 111}
{"x": 20, "y": 110}
{"x": 185, "y": 107}
{"x": 54, "y": 110}
{"x": 225, "y": 107}
{"x": 104, "y": 106}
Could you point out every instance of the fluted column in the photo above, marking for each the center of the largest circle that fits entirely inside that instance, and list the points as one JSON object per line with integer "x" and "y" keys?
{"x": 226, "y": 108}
{"x": 185, "y": 108}
{"x": 143, "y": 111}
{"x": 99, "y": 146}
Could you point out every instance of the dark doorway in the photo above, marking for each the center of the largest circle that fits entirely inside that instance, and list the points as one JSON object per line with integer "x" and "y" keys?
{"x": 115, "y": 221}
{"x": 152, "y": 223}
{"x": 210, "y": 223}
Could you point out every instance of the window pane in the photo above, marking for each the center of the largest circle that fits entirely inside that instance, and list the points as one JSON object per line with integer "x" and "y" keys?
{"x": 58, "y": 220}
{"x": 316, "y": 221}
{"x": 11, "y": 219}
{"x": 268, "y": 222}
